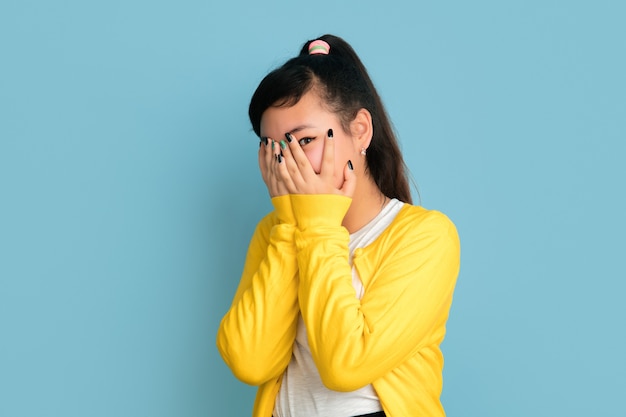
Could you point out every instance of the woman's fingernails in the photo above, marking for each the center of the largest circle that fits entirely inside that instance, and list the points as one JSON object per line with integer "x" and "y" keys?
{"x": 289, "y": 137}
{"x": 283, "y": 145}
{"x": 350, "y": 165}
{"x": 264, "y": 140}
{"x": 273, "y": 145}
{"x": 330, "y": 133}
{"x": 280, "y": 158}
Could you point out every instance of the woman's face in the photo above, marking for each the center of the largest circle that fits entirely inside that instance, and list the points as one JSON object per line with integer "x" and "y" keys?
{"x": 308, "y": 121}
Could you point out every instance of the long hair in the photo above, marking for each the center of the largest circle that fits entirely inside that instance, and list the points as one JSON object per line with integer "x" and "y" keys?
{"x": 345, "y": 87}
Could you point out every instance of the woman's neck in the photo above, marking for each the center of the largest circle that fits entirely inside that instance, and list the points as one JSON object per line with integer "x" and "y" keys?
{"x": 367, "y": 202}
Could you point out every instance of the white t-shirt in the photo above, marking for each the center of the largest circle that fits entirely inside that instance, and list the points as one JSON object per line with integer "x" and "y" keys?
{"x": 302, "y": 393}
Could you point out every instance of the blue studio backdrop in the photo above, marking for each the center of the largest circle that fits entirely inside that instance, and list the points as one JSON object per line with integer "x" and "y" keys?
{"x": 129, "y": 190}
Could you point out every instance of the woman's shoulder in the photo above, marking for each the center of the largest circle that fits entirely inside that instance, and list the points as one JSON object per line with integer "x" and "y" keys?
{"x": 415, "y": 233}
{"x": 410, "y": 213}
{"x": 416, "y": 221}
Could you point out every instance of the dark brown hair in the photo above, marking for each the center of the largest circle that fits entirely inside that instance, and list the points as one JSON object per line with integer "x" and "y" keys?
{"x": 345, "y": 86}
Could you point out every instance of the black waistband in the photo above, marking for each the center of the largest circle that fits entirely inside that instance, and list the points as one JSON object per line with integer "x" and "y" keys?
{"x": 377, "y": 414}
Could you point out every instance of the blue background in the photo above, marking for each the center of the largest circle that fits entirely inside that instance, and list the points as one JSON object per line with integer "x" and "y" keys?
{"x": 129, "y": 190}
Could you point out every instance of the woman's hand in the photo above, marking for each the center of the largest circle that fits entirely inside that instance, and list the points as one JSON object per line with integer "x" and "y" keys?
{"x": 293, "y": 172}
{"x": 268, "y": 151}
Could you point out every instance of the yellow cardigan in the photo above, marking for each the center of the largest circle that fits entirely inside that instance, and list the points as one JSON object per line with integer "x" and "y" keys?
{"x": 297, "y": 261}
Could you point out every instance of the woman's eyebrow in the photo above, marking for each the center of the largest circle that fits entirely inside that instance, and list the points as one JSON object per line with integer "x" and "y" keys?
{"x": 299, "y": 128}
{"x": 296, "y": 129}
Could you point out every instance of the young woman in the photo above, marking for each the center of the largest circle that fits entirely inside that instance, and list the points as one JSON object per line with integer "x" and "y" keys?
{"x": 346, "y": 287}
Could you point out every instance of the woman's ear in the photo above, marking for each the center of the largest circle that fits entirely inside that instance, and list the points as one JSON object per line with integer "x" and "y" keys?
{"x": 362, "y": 129}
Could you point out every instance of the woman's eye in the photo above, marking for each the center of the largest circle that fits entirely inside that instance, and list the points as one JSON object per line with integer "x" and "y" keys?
{"x": 305, "y": 141}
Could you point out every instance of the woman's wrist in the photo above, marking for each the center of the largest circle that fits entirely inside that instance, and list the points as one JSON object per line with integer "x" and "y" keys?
{"x": 283, "y": 209}
{"x": 313, "y": 210}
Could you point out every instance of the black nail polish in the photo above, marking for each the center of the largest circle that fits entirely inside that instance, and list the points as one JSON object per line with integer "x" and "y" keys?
{"x": 280, "y": 158}
{"x": 289, "y": 137}
{"x": 350, "y": 165}
{"x": 330, "y": 133}
{"x": 264, "y": 140}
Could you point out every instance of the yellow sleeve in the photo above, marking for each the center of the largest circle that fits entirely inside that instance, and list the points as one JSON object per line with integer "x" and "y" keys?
{"x": 255, "y": 337}
{"x": 354, "y": 342}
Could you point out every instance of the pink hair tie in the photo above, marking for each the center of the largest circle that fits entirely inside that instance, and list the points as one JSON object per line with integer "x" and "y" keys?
{"x": 319, "y": 47}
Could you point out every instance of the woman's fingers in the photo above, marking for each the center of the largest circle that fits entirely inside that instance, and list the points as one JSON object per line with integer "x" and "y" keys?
{"x": 287, "y": 170}
{"x": 292, "y": 167}
{"x": 301, "y": 163}
{"x": 279, "y": 189}
{"x": 268, "y": 153}
{"x": 305, "y": 179}
{"x": 349, "y": 180}
{"x": 280, "y": 166}
{"x": 263, "y": 158}
{"x": 327, "y": 170}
